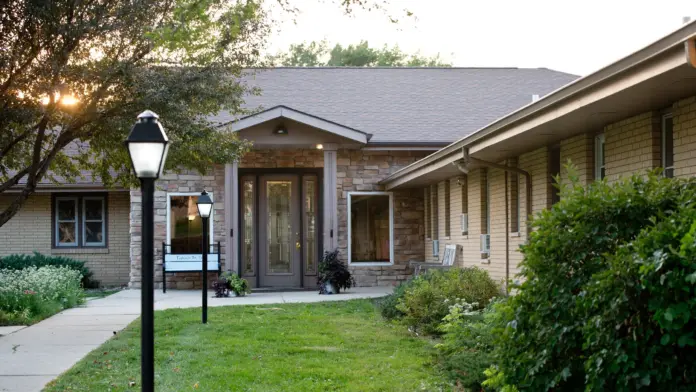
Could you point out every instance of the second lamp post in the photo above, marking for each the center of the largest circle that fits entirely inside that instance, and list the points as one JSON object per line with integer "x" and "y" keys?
{"x": 205, "y": 207}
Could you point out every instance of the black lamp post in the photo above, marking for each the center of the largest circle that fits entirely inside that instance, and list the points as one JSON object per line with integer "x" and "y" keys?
{"x": 205, "y": 207}
{"x": 147, "y": 146}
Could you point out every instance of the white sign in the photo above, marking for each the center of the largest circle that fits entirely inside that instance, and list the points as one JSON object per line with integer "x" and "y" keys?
{"x": 198, "y": 258}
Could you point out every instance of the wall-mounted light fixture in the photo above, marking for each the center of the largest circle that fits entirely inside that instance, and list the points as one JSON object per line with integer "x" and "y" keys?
{"x": 280, "y": 130}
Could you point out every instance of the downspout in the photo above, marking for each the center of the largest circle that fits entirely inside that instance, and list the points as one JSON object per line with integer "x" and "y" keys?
{"x": 463, "y": 166}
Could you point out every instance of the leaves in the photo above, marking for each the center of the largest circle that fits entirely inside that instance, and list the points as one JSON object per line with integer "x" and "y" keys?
{"x": 607, "y": 301}
{"x": 318, "y": 54}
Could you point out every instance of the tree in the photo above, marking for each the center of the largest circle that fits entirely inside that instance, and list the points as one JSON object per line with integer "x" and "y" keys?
{"x": 318, "y": 54}
{"x": 74, "y": 74}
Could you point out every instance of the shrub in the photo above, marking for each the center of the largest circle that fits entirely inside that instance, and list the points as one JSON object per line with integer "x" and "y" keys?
{"x": 643, "y": 310}
{"x": 387, "y": 305}
{"x": 467, "y": 344}
{"x": 333, "y": 271}
{"x": 18, "y": 262}
{"x": 567, "y": 310}
{"x": 31, "y": 294}
{"x": 426, "y": 300}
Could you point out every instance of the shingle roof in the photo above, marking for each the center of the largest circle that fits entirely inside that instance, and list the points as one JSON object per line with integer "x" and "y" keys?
{"x": 403, "y": 104}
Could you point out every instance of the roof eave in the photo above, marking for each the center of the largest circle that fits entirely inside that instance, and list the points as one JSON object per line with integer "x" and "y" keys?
{"x": 565, "y": 93}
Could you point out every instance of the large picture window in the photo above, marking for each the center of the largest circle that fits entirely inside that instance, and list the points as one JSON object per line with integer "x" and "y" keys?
{"x": 371, "y": 223}
{"x": 79, "y": 221}
{"x": 184, "y": 225}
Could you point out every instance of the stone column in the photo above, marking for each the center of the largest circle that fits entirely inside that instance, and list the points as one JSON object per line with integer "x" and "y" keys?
{"x": 330, "y": 197}
{"x": 232, "y": 216}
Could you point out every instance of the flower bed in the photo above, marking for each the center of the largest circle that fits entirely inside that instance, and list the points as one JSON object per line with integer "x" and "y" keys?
{"x": 32, "y": 294}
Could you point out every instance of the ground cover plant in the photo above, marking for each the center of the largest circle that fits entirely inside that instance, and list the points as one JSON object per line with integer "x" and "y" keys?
{"x": 333, "y": 346}
{"x": 32, "y": 294}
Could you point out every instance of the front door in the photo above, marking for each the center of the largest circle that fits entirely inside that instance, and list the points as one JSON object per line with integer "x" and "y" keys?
{"x": 279, "y": 228}
{"x": 280, "y": 239}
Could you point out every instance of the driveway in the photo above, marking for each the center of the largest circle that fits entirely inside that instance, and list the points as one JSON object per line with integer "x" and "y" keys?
{"x": 33, "y": 356}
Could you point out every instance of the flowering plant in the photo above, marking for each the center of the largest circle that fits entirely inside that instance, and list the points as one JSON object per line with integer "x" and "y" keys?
{"x": 32, "y": 294}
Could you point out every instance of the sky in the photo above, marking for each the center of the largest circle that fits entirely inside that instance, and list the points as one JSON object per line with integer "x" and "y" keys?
{"x": 573, "y": 36}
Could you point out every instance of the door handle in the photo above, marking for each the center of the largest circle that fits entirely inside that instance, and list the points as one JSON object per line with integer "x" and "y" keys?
{"x": 298, "y": 245}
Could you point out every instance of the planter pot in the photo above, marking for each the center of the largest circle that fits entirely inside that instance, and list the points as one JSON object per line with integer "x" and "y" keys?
{"x": 330, "y": 288}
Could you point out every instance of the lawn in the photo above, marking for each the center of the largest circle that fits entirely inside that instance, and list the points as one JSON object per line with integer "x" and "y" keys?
{"x": 337, "y": 346}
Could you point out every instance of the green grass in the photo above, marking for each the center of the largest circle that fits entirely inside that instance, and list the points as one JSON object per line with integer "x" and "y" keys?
{"x": 339, "y": 346}
{"x": 99, "y": 293}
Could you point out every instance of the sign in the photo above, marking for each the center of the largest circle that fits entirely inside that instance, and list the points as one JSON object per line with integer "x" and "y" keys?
{"x": 198, "y": 258}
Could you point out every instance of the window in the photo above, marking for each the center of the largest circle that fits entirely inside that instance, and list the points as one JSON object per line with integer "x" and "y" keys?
{"x": 554, "y": 171}
{"x": 80, "y": 221}
{"x": 184, "y": 225}
{"x": 599, "y": 157}
{"x": 370, "y": 228}
{"x": 310, "y": 196}
{"x": 465, "y": 206}
{"x": 447, "y": 208}
{"x": 514, "y": 202}
{"x": 667, "y": 150}
{"x": 428, "y": 218}
{"x": 434, "y": 204}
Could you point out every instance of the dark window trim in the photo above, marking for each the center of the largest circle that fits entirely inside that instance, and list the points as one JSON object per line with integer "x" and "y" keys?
{"x": 80, "y": 221}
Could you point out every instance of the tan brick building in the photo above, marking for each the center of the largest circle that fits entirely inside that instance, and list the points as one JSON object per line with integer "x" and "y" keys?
{"x": 632, "y": 116}
{"x": 387, "y": 165}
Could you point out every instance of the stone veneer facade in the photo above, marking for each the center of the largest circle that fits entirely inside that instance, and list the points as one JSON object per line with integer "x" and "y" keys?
{"x": 357, "y": 170}
{"x": 184, "y": 182}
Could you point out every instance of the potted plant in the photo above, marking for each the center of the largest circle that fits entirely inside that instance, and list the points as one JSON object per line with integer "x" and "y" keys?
{"x": 333, "y": 274}
{"x": 221, "y": 288}
{"x": 237, "y": 285}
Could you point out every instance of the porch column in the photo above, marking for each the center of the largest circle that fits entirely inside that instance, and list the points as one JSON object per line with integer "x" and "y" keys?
{"x": 330, "y": 198}
{"x": 231, "y": 216}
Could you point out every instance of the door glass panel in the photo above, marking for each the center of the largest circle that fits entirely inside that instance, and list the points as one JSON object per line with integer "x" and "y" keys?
{"x": 280, "y": 239}
{"x": 310, "y": 224}
{"x": 248, "y": 227}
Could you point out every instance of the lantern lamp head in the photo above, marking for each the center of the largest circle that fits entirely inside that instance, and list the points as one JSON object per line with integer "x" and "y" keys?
{"x": 147, "y": 146}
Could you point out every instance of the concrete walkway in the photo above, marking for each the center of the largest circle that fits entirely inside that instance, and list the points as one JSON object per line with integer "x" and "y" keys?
{"x": 33, "y": 356}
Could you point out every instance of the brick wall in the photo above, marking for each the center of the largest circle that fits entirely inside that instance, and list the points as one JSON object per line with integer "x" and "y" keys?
{"x": 632, "y": 145}
{"x": 359, "y": 170}
{"x": 30, "y": 231}
{"x": 187, "y": 181}
{"x": 684, "y": 115}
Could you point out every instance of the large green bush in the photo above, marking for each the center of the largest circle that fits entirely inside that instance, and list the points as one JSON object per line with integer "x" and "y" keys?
{"x": 18, "y": 262}
{"x": 31, "y": 294}
{"x": 426, "y": 300}
{"x": 467, "y": 344}
{"x": 597, "y": 311}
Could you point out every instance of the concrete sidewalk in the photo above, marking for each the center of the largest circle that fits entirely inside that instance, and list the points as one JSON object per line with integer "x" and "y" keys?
{"x": 33, "y": 356}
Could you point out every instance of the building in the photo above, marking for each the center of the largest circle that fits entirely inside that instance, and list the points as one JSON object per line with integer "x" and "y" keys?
{"x": 634, "y": 115}
{"x": 389, "y": 165}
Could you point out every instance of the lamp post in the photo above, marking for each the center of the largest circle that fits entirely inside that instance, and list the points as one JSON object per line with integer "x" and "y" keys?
{"x": 205, "y": 207}
{"x": 147, "y": 146}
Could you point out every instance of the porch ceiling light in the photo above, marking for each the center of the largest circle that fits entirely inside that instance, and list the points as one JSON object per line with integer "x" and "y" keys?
{"x": 281, "y": 130}
{"x": 205, "y": 205}
{"x": 147, "y": 146}
{"x": 320, "y": 146}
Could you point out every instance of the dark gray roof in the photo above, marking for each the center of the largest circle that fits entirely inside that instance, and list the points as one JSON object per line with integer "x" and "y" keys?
{"x": 403, "y": 104}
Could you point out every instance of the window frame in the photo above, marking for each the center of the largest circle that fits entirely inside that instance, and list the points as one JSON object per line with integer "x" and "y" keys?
{"x": 211, "y": 220}
{"x": 663, "y": 144}
{"x": 349, "y": 196}
{"x": 78, "y": 199}
{"x": 600, "y": 141}
{"x": 84, "y": 222}
{"x": 516, "y": 200}
{"x": 428, "y": 214}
